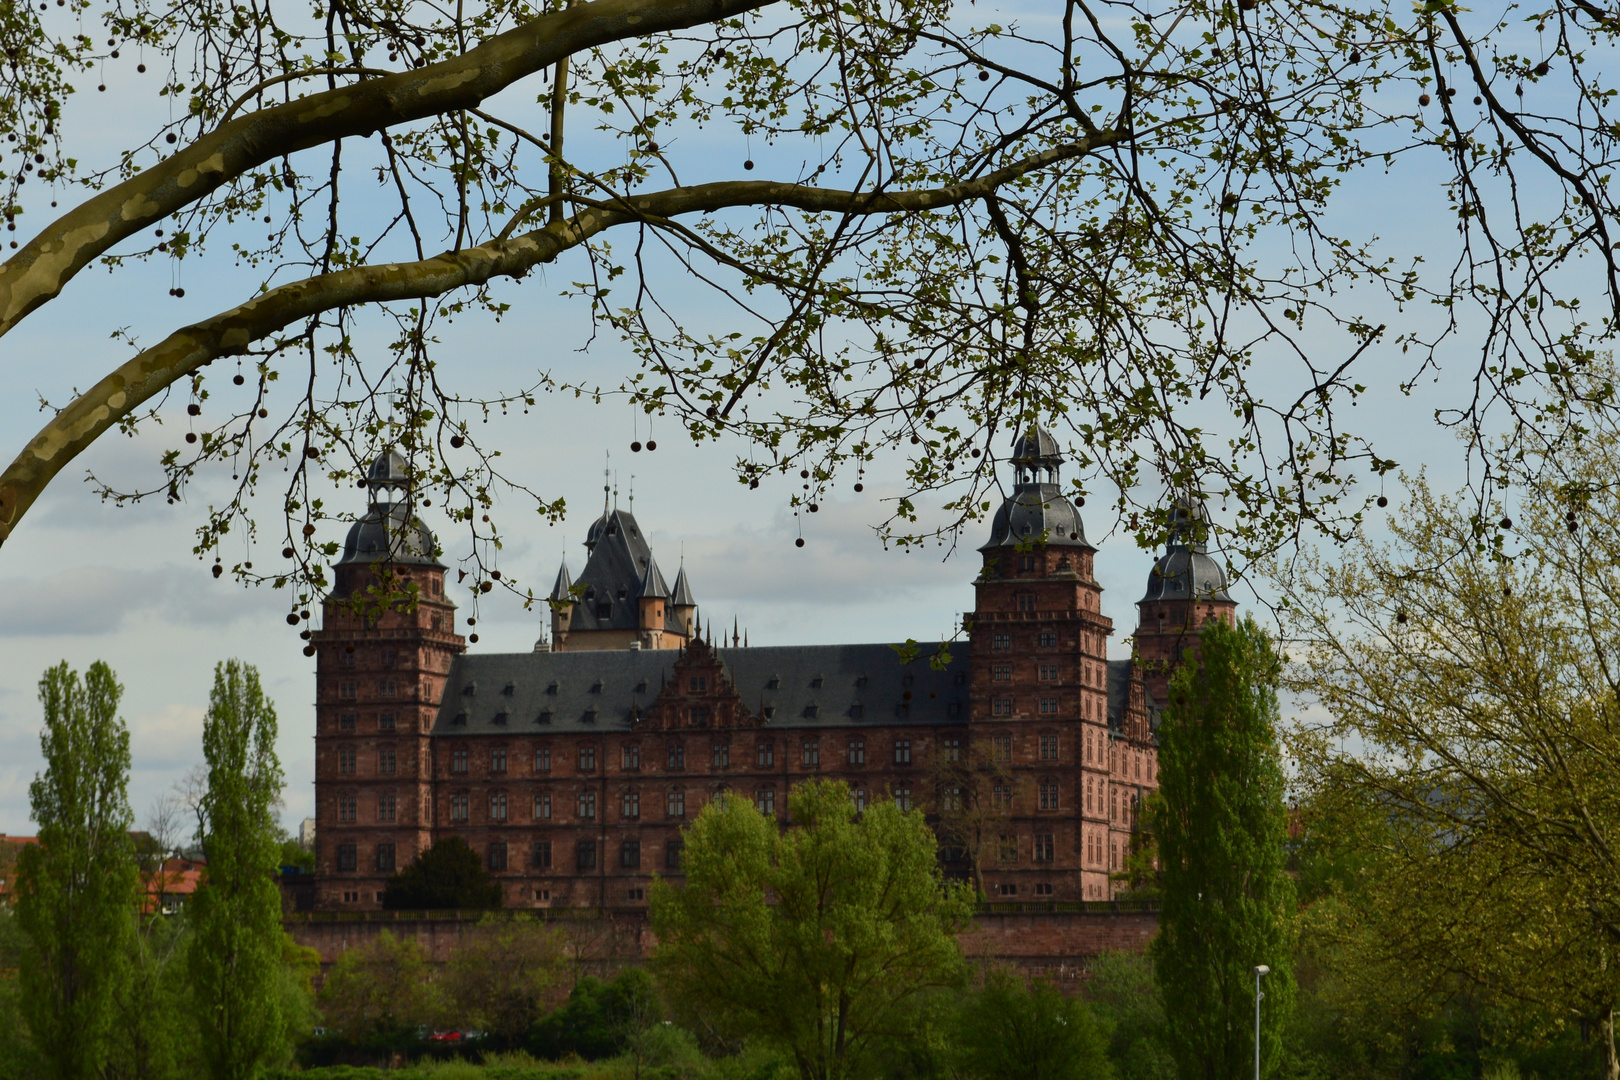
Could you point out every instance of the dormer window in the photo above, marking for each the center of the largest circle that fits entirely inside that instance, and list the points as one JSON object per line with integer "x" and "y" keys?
{"x": 500, "y": 718}
{"x": 544, "y": 717}
{"x": 509, "y": 689}
{"x": 860, "y": 681}
{"x": 460, "y": 719}
{"x": 596, "y": 687}
{"x": 815, "y": 683}
{"x": 589, "y": 717}
{"x": 775, "y": 683}
{"x": 641, "y": 687}
{"x": 551, "y": 688}
{"x": 623, "y": 592}
{"x": 470, "y": 689}
{"x": 767, "y": 712}
{"x": 810, "y": 711}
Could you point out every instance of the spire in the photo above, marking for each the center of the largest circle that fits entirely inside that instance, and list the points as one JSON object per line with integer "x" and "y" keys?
{"x": 652, "y": 583}
{"x": 682, "y": 596}
{"x": 560, "y": 591}
{"x": 734, "y": 638}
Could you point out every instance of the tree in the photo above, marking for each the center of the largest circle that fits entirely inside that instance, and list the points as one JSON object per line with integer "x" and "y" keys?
{"x": 968, "y": 815}
{"x": 235, "y": 956}
{"x": 1121, "y": 988}
{"x": 447, "y": 875}
{"x": 814, "y": 939}
{"x": 1035, "y": 1031}
{"x": 957, "y": 225}
{"x": 1219, "y": 822}
{"x": 379, "y": 990}
{"x": 504, "y": 975}
{"x": 76, "y": 888}
{"x": 1469, "y": 660}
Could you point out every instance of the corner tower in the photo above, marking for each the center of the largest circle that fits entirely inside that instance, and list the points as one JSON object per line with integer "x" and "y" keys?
{"x": 1039, "y": 683}
{"x": 1186, "y": 589}
{"x": 380, "y": 672}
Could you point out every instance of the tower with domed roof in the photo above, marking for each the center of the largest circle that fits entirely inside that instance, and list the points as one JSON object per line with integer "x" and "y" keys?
{"x": 383, "y": 651}
{"x": 1186, "y": 589}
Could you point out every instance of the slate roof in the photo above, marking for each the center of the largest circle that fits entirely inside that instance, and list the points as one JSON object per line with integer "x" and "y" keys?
{"x": 859, "y": 685}
{"x": 1037, "y": 511}
{"x": 683, "y": 591}
{"x": 613, "y": 575}
{"x": 1186, "y": 571}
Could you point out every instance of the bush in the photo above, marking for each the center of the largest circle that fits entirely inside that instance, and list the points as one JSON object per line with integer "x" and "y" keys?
{"x": 448, "y": 875}
{"x": 1034, "y": 1032}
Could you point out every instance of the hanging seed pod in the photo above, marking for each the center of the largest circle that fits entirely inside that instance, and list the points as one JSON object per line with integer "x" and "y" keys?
{"x": 473, "y": 638}
{"x": 218, "y": 569}
{"x": 309, "y": 650}
{"x": 485, "y": 586}
{"x": 457, "y": 441}
{"x": 238, "y": 380}
{"x": 309, "y": 529}
{"x": 191, "y": 436}
{"x": 1382, "y": 501}
{"x": 749, "y": 164}
{"x": 1400, "y": 616}
{"x": 814, "y": 508}
{"x": 194, "y": 409}
{"x": 859, "y": 487}
{"x": 311, "y": 453}
{"x": 1543, "y": 67}
{"x": 1506, "y": 523}
{"x": 651, "y": 445}
{"x": 1424, "y": 99}
{"x": 753, "y": 484}
{"x": 799, "y": 542}
{"x": 287, "y": 553}
{"x": 496, "y": 574}
{"x": 984, "y": 76}
{"x": 305, "y": 635}
{"x": 292, "y": 618}
{"x": 1079, "y": 500}
{"x": 635, "y": 447}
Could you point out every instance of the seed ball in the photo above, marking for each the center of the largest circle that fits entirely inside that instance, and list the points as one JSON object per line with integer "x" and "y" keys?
{"x": 304, "y": 614}
{"x": 652, "y": 148}
{"x": 309, "y": 650}
{"x": 984, "y": 76}
{"x": 1382, "y": 501}
{"x": 1079, "y": 500}
{"x": 292, "y": 618}
{"x": 141, "y": 68}
{"x": 305, "y": 634}
{"x": 651, "y": 446}
{"x": 975, "y": 453}
{"x": 114, "y": 54}
{"x": 859, "y": 487}
{"x": 1423, "y": 99}
{"x": 814, "y": 508}
{"x": 635, "y": 447}
{"x": 473, "y": 638}
{"x": 753, "y": 483}
{"x": 263, "y": 413}
{"x": 287, "y": 553}
{"x": 485, "y": 586}
{"x": 472, "y": 622}
{"x": 218, "y": 569}
{"x": 1355, "y": 56}
{"x": 1542, "y": 68}
{"x": 749, "y": 164}
{"x": 238, "y": 380}
{"x": 804, "y": 474}
{"x": 171, "y": 137}
{"x": 1506, "y": 523}
{"x": 191, "y": 436}
{"x": 1400, "y": 617}
{"x": 799, "y": 542}
{"x": 496, "y": 574}
{"x": 194, "y": 409}
{"x": 311, "y": 453}
{"x": 457, "y": 441}
{"x": 102, "y": 88}
{"x": 1478, "y": 100}
{"x": 309, "y": 529}
{"x": 180, "y": 293}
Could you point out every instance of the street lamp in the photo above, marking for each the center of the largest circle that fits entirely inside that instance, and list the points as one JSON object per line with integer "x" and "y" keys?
{"x": 1260, "y": 972}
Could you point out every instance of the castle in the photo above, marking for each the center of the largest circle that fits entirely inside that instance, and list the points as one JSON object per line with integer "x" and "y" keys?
{"x": 572, "y": 769}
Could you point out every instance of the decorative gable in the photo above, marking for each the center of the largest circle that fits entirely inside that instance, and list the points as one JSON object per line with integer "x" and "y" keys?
{"x": 697, "y": 695}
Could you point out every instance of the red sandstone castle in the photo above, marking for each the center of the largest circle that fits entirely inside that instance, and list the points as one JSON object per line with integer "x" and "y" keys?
{"x": 573, "y": 769}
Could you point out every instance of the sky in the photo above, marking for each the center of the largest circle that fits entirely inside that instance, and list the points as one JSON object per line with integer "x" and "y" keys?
{"x": 84, "y": 580}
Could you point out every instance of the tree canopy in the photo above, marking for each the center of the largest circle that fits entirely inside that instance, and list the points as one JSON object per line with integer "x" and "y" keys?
{"x": 449, "y": 874}
{"x": 1141, "y": 227}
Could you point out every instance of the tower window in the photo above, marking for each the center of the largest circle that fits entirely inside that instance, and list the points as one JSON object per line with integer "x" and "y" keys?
{"x": 630, "y": 855}
{"x": 346, "y": 760}
{"x": 1001, "y": 707}
{"x": 542, "y": 759}
{"x": 698, "y": 684}
{"x": 385, "y": 722}
{"x": 347, "y": 858}
{"x": 722, "y": 755}
{"x": 1001, "y": 673}
{"x": 953, "y": 750}
{"x": 1049, "y": 747}
{"x": 1001, "y": 797}
{"x": 1026, "y": 562}
{"x": 346, "y": 809}
{"x": 387, "y": 806}
{"x": 604, "y": 610}
{"x": 585, "y": 855}
{"x": 458, "y": 808}
{"x": 586, "y": 809}
{"x": 902, "y": 798}
{"x": 1001, "y": 642}
{"x": 540, "y": 855}
{"x": 385, "y": 858}
{"x": 544, "y": 717}
{"x": 1026, "y": 601}
{"x": 673, "y": 851}
{"x": 1049, "y": 672}
{"x": 385, "y": 760}
{"x": 902, "y": 752}
{"x": 1003, "y": 749}
{"x": 765, "y": 754}
{"x": 815, "y": 683}
{"x": 1049, "y": 706}
{"x": 1048, "y": 641}
{"x": 346, "y": 722}
{"x": 497, "y": 856}
{"x": 860, "y": 800}
{"x": 765, "y": 801}
{"x": 811, "y": 753}
{"x": 1049, "y": 795}
{"x": 497, "y": 807}
{"x": 1044, "y": 847}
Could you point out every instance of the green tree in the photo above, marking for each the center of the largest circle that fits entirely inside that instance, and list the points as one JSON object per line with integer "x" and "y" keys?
{"x": 379, "y": 990}
{"x": 1220, "y": 826}
{"x": 504, "y": 975}
{"x": 76, "y": 888}
{"x": 448, "y": 875}
{"x": 815, "y": 939}
{"x": 152, "y": 1032}
{"x": 1121, "y": 986}
{"x": 235, "y": 957}
{"x": 1012, "y": 1028}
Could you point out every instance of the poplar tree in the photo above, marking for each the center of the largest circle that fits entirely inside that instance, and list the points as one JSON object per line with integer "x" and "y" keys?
{"x": 76, "y": 888}
{"x": 1220, "y": 826}
{"x": 235, "y": 955}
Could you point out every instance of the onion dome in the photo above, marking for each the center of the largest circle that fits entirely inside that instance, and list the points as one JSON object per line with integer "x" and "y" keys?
{"x": 1037, "y": 510}
{"x": 560, "y": 592}
{"x": 389, "y": 532}
{"x": 652, "y": 583}
{"x": 682, "y": 596}
{"x": 1187, "y": 571}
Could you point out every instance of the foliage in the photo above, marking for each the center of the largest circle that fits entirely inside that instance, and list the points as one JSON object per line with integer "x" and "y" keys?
{"x": 154, "y": 1030}
{"x": 1122, "y": 989}
{"x": 235, "y": 956}
{"x": 812, "y": 939}
{"x": 379, "y": 989}
{"x": 76, "y": 887}
{"x": 447, "y": 875}
{"x": 599, "y": 1020}
{"x": 294, "y": 853}
{"x": 503, "y": 976}
{"x": 963, "y": 806}
{"x": 1219, "y": 823}
{"x": 1014, "y": 1028}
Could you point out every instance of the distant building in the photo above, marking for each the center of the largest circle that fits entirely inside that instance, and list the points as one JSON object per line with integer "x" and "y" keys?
{"x": 573, "y": 771}
{"x": 306, "y": 833}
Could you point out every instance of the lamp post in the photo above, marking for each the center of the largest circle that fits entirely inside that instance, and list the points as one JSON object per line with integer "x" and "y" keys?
{"x": 1260, "y": 972}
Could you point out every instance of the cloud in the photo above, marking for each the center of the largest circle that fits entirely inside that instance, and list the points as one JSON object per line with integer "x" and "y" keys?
{"x": 96, "y": 600}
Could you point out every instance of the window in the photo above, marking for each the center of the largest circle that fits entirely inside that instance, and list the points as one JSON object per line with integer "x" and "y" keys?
{"x": 347, "y": 690}
{"x": 585, "y": 855}
{"x": 458, "y": 760}
{"x": 1001, "y": 673}
{"x": 497, "y": 856}
{"x": 385, "y": 760}
{"x": 386, "y": 807}
{"x": 1007, "y": 888}
{"x": 811, "y": 753}
{"x": 630, "y": 855}
{"x": 1003, "y": 748}
{"x": 765, "y": 800}
{"x": 587, "y": 759}
{"x": 1043, "y": 888}
{"x": 1026, "y": 562}
{"x": 722, "y": 755}
{"x": 385, "y": 858}
{"x": 700, "y": 715}
{"x": 540, "y": 855}
{"x": 1049, "y": 706}
{"x": 677, "y": 756}
{"x": 346, "y": 809}
{"x": 902, "y": 752}
{"x": 389, "y": 658}
{"x": 765, "y": 754}
{"x": 1001, "y": 797}
{"x": 1049, "y": 795}
{"x": 630, "y": 805}
{"x": 953, "y": 750}
{"x": 697, "y": 684}
{"x": 1001, "y": 707}
{"x": 857, "y": 751}
{"x": 346, "y": 722}
{"x": 586, "y": 810}
{"x": 1026, "y": 601}
{"x": 673, "y": 851}
{"x": 675, "y": 803}
{"x": 902, "y": 798}
{"x": 542, "y": 806}
{"x": 542, "y": 759}
{"x": 458, "y": 808}
{"x": 1048, "y": 641}
{"x": 630, "y": 758}
{"x": 950, "y": 799}
{"x": 1049, "y": 747}
{"x": 346, "y": 659}
{"x": 1001, "y": 642}
{"x": 346, "y": 760}
{"x": 347, "y": 858}
{"x": 387, "y": 688}
{"x": 1007, "y": 849}
{"x": 497, "y": 807}
{"x": 1089, "y": 783}
{"x": 1049, "y": 672}
{"x": 497, "y": 761}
